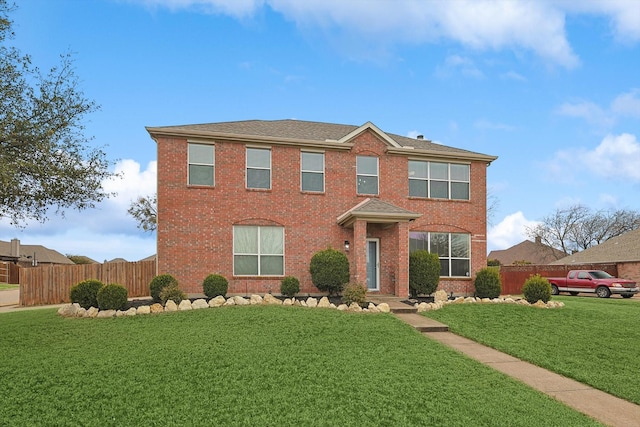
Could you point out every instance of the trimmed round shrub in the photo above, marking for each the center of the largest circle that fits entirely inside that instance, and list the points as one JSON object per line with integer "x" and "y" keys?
{"x": 172, "y": 292}
{"x": 354, "y": 292}
{"x": 214, "y": 285}
{"x": 112, "y": 297}
{"x": 85, "y": 293}
{"x": 487, "y": 283}
{"x": 536, "y": 288}
{"x": 289, "y": 286}
{"x": 424, "y": 272}
{"x": 329, "y": 270}
{"x": 158, "y": 283}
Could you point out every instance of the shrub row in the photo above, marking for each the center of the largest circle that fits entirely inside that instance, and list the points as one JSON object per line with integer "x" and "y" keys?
{"x": 94, "y": 293}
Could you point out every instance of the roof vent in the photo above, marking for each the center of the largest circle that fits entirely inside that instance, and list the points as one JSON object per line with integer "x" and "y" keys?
{"x": 420, "y": 137}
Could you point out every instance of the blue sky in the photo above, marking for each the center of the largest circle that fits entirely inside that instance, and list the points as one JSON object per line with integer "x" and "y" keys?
{"x": 551, "y": 87}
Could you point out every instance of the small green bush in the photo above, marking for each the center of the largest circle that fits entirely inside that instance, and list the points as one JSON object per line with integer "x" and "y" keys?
{"x": 487, "y": 283}
{"x": 112, "y": 297}
{"x": 158, "y": 283}
{"x": 214, "y": 285}
{"x": 354, "y": 292}
{"x": 289, "y": 286}
{"x": 172, "y": 292}
{"x": 329, "y": 270}
{"x": 85, "y": 293}
{"x": 536, "y": 288}
{"x": 424, "y": 272}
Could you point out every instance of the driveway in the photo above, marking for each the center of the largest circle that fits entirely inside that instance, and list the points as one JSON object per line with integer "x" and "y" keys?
{"x": 10, "y": 297}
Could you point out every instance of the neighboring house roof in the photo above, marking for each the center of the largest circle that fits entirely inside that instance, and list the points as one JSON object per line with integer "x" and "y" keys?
{"x": 527, "y": 251}
{"x": 376, "y": 211}
{"x": 41, "y": 253}
{"x": 118, "y": 260}
{"x": 149, "y": 258}
{"x": 623, "y": 248}
{"x": 312, "y": 134}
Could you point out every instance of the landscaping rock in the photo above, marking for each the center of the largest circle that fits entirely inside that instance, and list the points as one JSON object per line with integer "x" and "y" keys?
{"x": 523, "y": 302}
{"x": 185, "y": 305}
{"x": 355, "y": 307}
{"x": 540, "y": 304}
{"x": 92, "y": 312}
{"x": 256, "y": 300}
{"x": 384, "y": 307}
{"x": 106, "y": 313}
{"x": 241, "y": 301}
{"x": 343, "y": 307}
{"x": 81, "y": 312}
{"x": 287, "y": 302}
{"x": 230, "y": 301}
{"x": 217, "y": 301}
{"x": 297, "y": 303}
{"x": 324, "y": 302}
{"x": 199, "y": 303}
{"x": 303, "y": 303}
{"x": 69, "y": 310}
{"x": 144, "y": 309}
{"x": 440, "y": 296}
{"x": 423, "y": 306}
{"x": 372, "y": 308}
{"x": 270, "y": 299}
{"x": 170, "y": 306}
{"x": 312, "y": 302}
{"x": 156, "y": 308}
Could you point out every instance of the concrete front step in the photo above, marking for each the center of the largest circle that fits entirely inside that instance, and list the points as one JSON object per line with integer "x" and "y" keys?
{"x": 421, "y": 323}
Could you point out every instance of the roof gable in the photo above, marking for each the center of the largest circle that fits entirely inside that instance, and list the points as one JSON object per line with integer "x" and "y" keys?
{"x": 623, "y": 248}
{"x": 527, "y": 251}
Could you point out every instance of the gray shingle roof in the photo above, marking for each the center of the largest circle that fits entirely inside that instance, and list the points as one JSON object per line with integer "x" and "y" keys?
{"x": 376, "y": 211}
{"x": 623, "y": 248}
{"x": 301, "y": 130}
{"x": 42, "y": 254}
{"x": 528, "y": 251}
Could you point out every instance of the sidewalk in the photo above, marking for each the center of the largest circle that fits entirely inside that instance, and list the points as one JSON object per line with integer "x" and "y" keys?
{"x": 603, "y": 407}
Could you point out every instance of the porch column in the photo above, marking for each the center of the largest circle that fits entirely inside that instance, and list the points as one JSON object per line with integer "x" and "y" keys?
{"x": 359, "y": 267}
{"x": 402, "y": 262}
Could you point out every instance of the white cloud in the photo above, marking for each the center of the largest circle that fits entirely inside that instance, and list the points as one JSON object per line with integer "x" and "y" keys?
{"x": 587, "y": 111}
{"x": 510, "y": 231}
{"x": 105, "y": 232}
{"x": 627, "y": 104}
{"x": 534, "y": 26}
{"x": 512, "y": 75}
{"x": 483, "y": 124}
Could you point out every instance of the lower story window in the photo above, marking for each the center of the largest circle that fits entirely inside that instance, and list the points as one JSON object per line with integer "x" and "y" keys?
{"x": 453, "y": 249}
{"x": 258, "y": 250}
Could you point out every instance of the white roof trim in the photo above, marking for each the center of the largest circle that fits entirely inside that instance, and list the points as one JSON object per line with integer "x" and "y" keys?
{"x": 375, "y": 129}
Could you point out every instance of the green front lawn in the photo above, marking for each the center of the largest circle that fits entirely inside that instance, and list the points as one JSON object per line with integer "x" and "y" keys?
{"x": 595, "y": 341}
{"x": 6, "y": 287}
{"x": 250, "y": 366}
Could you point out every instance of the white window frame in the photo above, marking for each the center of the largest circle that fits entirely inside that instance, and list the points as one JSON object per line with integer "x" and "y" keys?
{"x": 247, "y": 167}
{"x": 212, "y": 165}
{"x": 450, "y": 258}
{"x": 259, "y": 254}
{"x": 377, "y": 175}
{"x": 449, "y": 180}
{"x": 308, "y": 171}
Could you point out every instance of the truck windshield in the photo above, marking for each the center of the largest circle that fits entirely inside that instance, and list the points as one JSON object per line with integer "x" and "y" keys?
{"x": 600, "y": 274}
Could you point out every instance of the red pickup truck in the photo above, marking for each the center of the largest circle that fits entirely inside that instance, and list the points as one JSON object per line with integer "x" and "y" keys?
{"x": 600, "y": 282}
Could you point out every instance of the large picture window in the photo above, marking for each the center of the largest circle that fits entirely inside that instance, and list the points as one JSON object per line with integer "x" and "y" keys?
{"x": 312, "y": 171}
{"x": 258, "y": 251}
{"x": 259, "y": 168}
{"x": 367, "y": 174}
{"x": 201, "y": 160}
{"x": 438, "y": 180}
{"x": 453, "y": 249}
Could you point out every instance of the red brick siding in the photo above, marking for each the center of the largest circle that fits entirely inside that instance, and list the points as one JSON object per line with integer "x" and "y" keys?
{"x": 195, "y": 223}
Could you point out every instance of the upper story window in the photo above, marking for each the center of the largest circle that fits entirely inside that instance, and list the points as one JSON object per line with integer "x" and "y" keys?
{"x": 312, "y": 171}
{"x": 201, "y": 160}
{"x": 259, "y": 168}
{"x": 438, "y": 180}
{"x": 453, "y": 249}
{"x": 367, "y": 174}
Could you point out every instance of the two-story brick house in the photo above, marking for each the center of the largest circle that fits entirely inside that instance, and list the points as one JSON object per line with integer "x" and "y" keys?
{"x": 254, "y": 200}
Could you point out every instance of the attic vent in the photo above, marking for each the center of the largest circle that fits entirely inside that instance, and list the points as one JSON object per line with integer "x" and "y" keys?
{"x": 420, "y": 137}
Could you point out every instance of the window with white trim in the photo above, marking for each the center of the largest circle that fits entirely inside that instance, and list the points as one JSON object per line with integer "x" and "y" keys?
{"x": 312, "y": 171}
{"x": 439, "y": 180}
{"x": 259, "y": 168}
{"x": 258, "y": 250}
{"x": 453, "y": 249}
{"x": 201, "y": 161}
{"x": 367, "y": 174}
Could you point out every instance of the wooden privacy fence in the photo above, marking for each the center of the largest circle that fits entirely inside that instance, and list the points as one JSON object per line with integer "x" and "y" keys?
{"x": 514, "y": 276}
{"x": 52, "y": 284}
{"x": 9, "y": 273}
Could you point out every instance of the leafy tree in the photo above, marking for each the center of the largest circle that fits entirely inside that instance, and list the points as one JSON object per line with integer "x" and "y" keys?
{"x": 80, "y": 259}
{"x": 577, "y": 227}
{"x": 44, "y": 158}
{"x": 145, "y": 211}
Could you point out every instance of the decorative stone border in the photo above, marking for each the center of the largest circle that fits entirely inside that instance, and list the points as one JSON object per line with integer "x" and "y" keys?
{"x": 441, "y": 299}
{"x": 74, "y": 310}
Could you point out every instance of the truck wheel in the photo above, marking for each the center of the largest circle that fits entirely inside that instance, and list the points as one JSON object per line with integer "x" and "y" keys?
{"x": 573, "y": 293}
{"x": 627, "y": 295}
{"x": 603, "y": 292}
{"x": 554, "y": 290}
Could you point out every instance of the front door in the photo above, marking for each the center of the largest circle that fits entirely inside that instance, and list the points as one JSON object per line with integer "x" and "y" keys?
{"x": 373, "y": 265}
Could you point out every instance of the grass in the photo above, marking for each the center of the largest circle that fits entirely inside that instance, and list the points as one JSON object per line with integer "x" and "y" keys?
{"x": 595, "y": 341}
{"x": 6, "y": 287}
{"x": 250, "y": 366}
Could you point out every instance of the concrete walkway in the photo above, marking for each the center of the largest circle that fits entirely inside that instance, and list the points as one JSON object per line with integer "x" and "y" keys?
{"x": 603, "y": 407}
